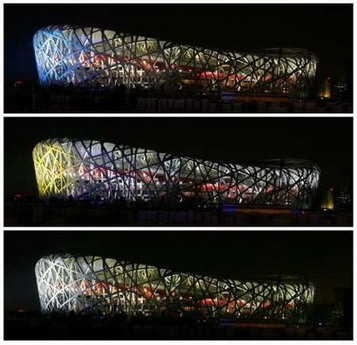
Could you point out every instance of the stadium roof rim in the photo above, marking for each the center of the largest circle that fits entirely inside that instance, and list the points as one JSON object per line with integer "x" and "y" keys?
{"x": 269, "y": 51}
{"x": 272, "y": 278}
{"x": 288, "y": 162}
{"x": 285, "y": 51}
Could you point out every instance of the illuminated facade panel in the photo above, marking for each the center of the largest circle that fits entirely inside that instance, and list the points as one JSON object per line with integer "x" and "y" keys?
{"x": 87, "y": 284}
{"x": 94, "y": 170}
{"x": 96, "y": 57}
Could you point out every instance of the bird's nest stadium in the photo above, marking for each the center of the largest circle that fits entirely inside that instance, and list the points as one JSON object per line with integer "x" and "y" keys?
{"x": 90, "y": 284}
{"x": 94, "y": 170}
{"x": 88, "y": 56}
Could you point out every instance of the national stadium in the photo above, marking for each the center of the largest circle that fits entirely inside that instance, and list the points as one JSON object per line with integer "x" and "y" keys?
{"x": 94, "y": 284}
{"x": 104, "y": 172}
{"x": 89, "y": 56}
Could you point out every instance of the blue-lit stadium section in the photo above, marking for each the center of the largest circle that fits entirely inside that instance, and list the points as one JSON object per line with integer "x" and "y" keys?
{"x": 87, "y": 56}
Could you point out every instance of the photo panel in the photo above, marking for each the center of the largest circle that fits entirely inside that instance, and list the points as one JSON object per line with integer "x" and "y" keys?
{"x": 178, "y": 285}
{"x": 178, "y": 171}
{"x": 277, "y": 58}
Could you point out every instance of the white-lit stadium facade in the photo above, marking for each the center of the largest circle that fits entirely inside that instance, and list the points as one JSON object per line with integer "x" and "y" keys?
{"x": 95, "y": 170}
{"x": 90, "y": 284}
{"x": 90, "y": 56}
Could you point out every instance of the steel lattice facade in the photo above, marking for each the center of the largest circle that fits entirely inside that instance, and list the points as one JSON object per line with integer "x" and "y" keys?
{"x": 94, "y": 170}
{"x": 86, "y": 284}
{"x": 92, "y": 56}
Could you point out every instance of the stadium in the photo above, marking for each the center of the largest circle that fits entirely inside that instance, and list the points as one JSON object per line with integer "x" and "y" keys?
{"x": 90, "y": 284}
{"x": 104, "y": 172}
{"x": 94, "y": 57}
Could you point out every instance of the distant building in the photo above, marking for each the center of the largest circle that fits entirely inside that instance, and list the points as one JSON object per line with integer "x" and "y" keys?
{"x": 87, "y": 56}
{"x": 343, "y": 200}
{"x": 94, "y": 170}
{"x": 328, "y": 202}
{"x": 341, "y": 85}
{"x": 342, "y": 313}
{"x": 344, "y": 197}
{"x": 91, "y": 284}
{"x": 325, "y": 89}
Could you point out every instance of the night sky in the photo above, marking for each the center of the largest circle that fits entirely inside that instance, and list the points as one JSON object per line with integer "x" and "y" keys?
{"x": 325, "y": 141}
{"x": 325, "y": 29}
{"x": 325, "y": 257}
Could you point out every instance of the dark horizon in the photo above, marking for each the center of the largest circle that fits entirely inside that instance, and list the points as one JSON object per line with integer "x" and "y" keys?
{"x": 324, "y": 141}
{"x": 325, "y": 257}
{"x": 258, "y": 26}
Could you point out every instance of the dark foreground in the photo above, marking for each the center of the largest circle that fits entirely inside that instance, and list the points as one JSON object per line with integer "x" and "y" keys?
{"x": 55, "y": 99}
{"x": 59, "y": 327}
{"x": 63, "y": 214}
